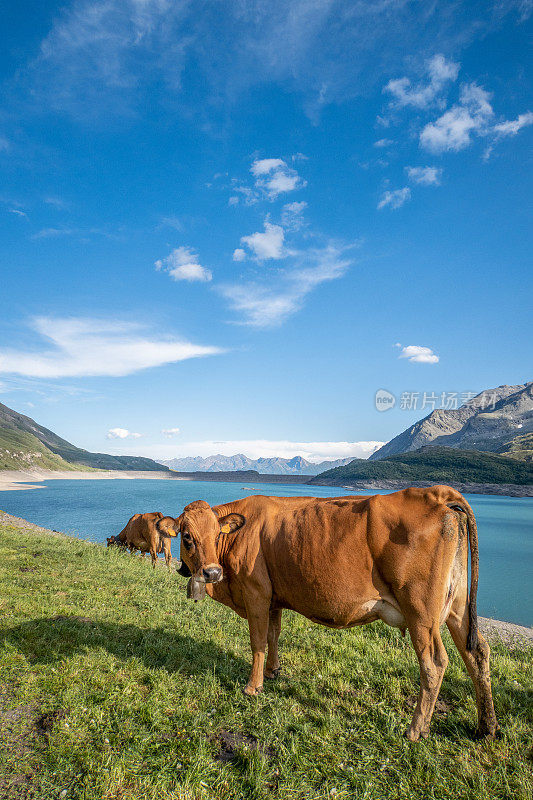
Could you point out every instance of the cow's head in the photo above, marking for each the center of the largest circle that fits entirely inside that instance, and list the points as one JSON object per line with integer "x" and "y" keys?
{"x": 114, "y": 540}
{"x": 200, "y": 529}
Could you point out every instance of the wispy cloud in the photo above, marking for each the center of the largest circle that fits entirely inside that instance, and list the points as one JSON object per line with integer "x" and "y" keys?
{"x": 268, "y": 304}
{"x": 267, "y": 245}
{"x": 395, "y": 198}
{"x": 512, "y": 127}
{"x": 183, "y": 264}
{"x": 169, "y": 433}
{"x": 426, "y": 176}
{"x": 122, "y": 433}
{"x": 383, "y": 143}
{"x": 18, "y": 212}
{"x": 440, "y": 72}
{"x": 292, "y": 215}
{"x": 103, "y": 56}
{"x": 418, "y": 354}
{"x": 80, "y": 347}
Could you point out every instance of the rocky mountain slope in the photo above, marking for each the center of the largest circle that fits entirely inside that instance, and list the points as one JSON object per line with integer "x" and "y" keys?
{"x": 496, "y": 420}
{"x": 24, "y": 443}
{"x": 266, "y": 466}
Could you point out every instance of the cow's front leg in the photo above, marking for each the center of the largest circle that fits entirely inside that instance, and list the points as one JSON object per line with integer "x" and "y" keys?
{"x": 273, "y": 667}
{"x": 258, "y": 619}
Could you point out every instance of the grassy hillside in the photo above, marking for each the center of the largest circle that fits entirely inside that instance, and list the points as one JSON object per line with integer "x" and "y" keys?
{"x": 21, "y": 450}
{"x": 113, "y": 686}
{"x": 441, "y": 464}
{"x": 520, "y": 447}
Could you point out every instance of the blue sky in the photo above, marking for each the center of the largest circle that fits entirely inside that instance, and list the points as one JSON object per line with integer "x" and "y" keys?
{"x": 224, "y": 227}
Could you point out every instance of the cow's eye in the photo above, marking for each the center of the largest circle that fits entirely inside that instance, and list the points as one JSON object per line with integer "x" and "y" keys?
{"x": 186, "y": 538}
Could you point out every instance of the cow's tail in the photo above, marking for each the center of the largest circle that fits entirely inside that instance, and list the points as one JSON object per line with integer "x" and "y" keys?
{"x": 462, "y": 505}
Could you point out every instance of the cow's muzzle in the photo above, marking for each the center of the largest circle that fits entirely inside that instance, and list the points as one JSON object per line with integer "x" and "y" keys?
{"x": 210, "y": 574}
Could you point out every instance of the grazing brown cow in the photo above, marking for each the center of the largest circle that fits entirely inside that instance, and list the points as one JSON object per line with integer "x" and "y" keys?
{"x": 141, "y": 534}
{"x": 401, "y": 558}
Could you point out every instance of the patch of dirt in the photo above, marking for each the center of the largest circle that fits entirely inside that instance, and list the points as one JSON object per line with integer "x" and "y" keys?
{"x": 22, "y": 731}
{"x": 442, "y": 706}
{"x": 45, "y": 723}
{"x": 231, "y": 742}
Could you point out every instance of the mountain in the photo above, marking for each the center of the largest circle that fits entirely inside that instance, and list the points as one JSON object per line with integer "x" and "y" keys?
{"x": 25, "y": 444}
{"x": 490, "y": 422}
{"x": 266, "y": 466}
{"x": 433, "y": 465}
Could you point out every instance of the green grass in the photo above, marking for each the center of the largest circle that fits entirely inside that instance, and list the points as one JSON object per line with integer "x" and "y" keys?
{"x": 113, "y": 686}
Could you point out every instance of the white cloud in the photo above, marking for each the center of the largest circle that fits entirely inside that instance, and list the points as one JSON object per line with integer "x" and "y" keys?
{"x": 512, "y": 127}
{"x": 267, "y": 245}
{"x": 264, "y": 305}
{"x": 292, "y": 215}
{"x": 395, "y": 198}
{"x": 427, "y": 176}
{"x": 18, "y": 212}
{"x": 170, "y": 432}
{"x": 440, "y": 72}
{"x": 239, "y": 254}
{"x": 383, "y": 143}
{"x": 90, "y": 347}
{"x": 453, "y": 130}
{"x": 274, "y": 177}
{"x": 183, "y": 264}
{"x": 122, "y": 433}
{"x": 233, "y": 200}
{"x": 418, "y": 354}
{"x": 266, "y": 165}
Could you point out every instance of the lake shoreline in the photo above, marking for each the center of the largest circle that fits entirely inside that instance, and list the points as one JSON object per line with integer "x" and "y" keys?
{"x": 22, "y": 480}
{"x": 508, "y": 633}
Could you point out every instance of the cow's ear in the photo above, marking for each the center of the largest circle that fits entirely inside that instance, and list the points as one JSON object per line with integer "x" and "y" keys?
{"x": 231, "y": 523}
{"x": 168, "y": 526}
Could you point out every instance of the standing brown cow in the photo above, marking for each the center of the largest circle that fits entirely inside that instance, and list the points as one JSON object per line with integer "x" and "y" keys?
{"x": 401, "y": 558}
{"x": 141, "y": 534}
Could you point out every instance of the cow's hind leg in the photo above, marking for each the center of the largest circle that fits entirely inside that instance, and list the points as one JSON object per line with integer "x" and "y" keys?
{"x": 433, "y": 660}
{"x": 273, "y": 667}
{"x": 477, "y": 664}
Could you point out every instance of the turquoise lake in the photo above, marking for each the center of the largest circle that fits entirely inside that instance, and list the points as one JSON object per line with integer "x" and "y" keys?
{"x": 96, "y": 509}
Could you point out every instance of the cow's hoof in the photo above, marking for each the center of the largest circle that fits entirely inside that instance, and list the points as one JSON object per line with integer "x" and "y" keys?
{"x": 412, "y": 736}
{"x": 272, "y": 674}
{"x": 488, "y": 732}
{"x": 252, "y": 691}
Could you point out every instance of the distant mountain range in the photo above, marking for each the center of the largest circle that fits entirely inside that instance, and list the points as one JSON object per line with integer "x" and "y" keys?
{"x": 497, "y": 421}
{"x": 25, "y": 444}
{"x": 266, "y": 466}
